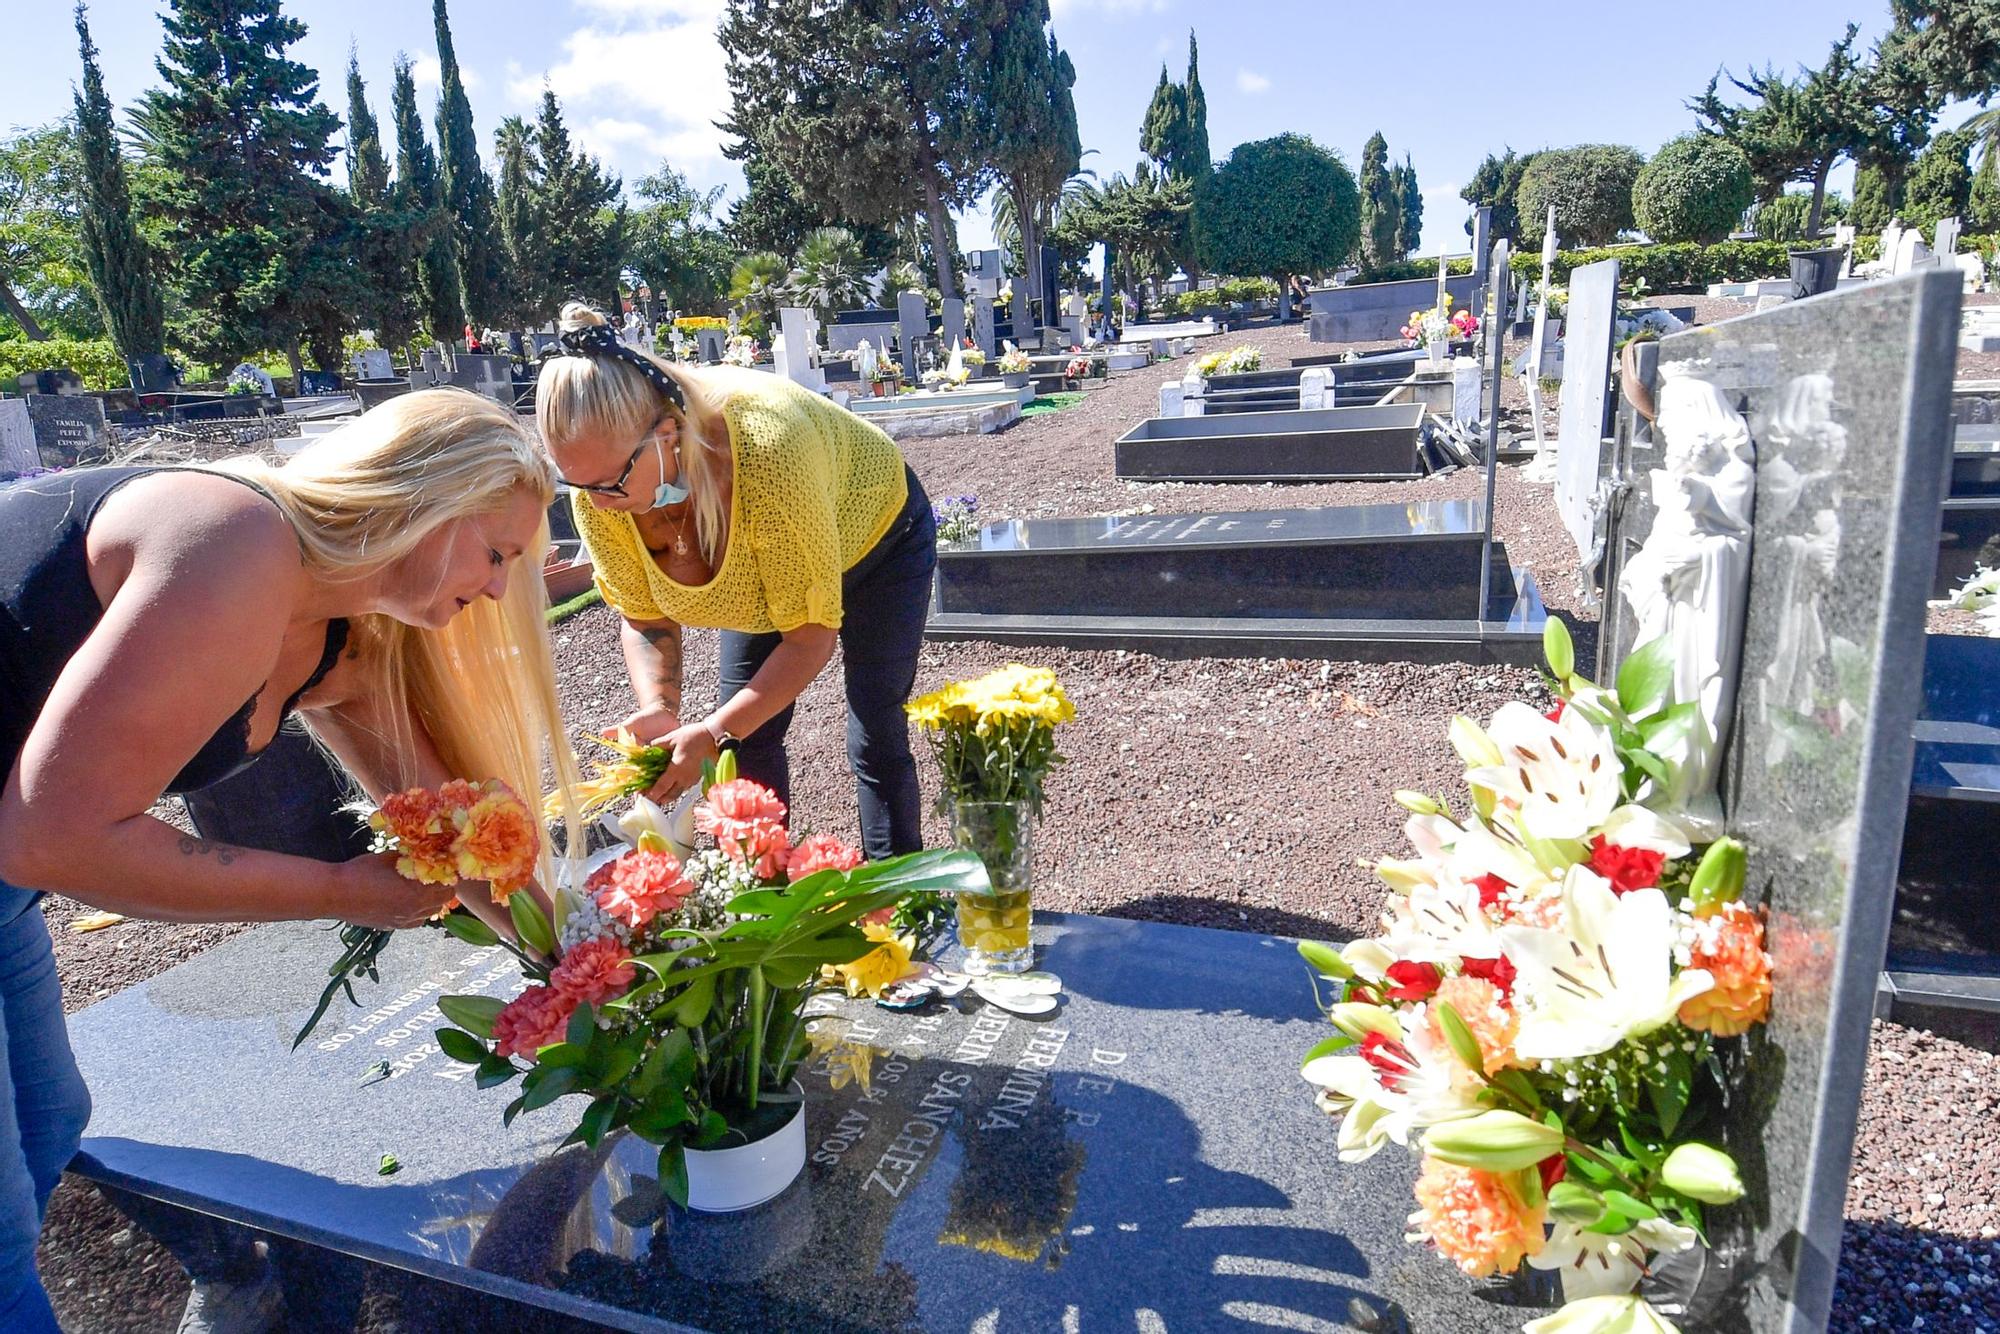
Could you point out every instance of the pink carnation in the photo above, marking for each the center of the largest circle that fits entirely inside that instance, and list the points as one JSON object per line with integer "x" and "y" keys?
{"x": 639, "y": 886}
{"x": 746, "y": 820}
{"x": 821, "y": 852}
{"x": 594, "y": 972}
{"x": 531, "y": 1021}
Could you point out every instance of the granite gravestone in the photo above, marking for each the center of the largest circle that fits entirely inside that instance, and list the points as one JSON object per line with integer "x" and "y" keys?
{"x": 954, "y": 322}
{"x": 372, "y": 363}
{"x": 1295, "y": 445}
{"x": 851, "y": 328}
{"x": 982, "y": 327}
{"x": 1145, "y": 1158}
{"x": 70, "y": 429}
{"x": 710, "y": 340}
{"x": 913, "y": 325}
{"x": 17, "y": 438}
{"x": 1846, "y": 397}
{"x": 1588, "y": 329}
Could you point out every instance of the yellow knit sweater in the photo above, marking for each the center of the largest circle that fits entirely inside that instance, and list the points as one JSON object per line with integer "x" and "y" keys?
{"x": 816, "y": 487}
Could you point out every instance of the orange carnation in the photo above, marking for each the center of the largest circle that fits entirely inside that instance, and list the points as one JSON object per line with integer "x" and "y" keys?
{"x": 498, "y": 837}
{"x": 531, "y": 1021}
{"x": 638, "y": 887}
{"x": 821, "y": 852}
{"x": 1729, "y": 944}
{"x": 421, "y": 826}
{"x": 594, "y": 971}
{"x": 1476, "y": 1219}
{"x": 1484, "y": 1009}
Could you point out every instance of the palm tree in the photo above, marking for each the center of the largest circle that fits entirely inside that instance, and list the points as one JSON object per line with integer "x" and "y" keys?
{"x": 759, "y": 284}
{"x": 1007, "y": 228}
{"x": 831, "y": 273}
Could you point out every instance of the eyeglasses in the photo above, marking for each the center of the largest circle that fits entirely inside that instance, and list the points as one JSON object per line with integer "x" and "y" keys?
{"x": 617, "y": 488}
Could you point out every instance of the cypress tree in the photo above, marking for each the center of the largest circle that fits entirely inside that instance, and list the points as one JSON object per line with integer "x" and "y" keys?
{"x": 121, "y": 267}
{"x": 384, "y": 252}
{"x": 1195, "y": 159}
{"x": 468, "y": 194}
{"x": 419, "y": 195}
{"x": 257, "y": 238}
{"x": 574, "y": 200}
{"x": 1381, "y": 215}
{"x": 1410, "y": 201}
{"x": 520, "y": 218}
{"x": 1027, "y": 106}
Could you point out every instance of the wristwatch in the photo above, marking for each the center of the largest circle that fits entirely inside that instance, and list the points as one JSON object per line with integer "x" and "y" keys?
{"x": 725, "y": 741}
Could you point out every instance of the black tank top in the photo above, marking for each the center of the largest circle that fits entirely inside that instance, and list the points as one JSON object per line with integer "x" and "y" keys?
{"x": 48, "y": 608}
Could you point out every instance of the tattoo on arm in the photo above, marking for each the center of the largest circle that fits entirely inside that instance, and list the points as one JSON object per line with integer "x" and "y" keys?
{"x": 195, "y": 847}
{"x": 664, "y": 638}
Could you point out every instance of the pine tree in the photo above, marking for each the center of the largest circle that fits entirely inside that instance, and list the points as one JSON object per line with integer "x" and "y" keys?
{"x": 1027, "y": 105}
{"x": 256, "y": 236}
{"x": 419, "y": 195}
{"x": 384, "y": 253}
{"x": 468, "y": 194}
{"x": 1381, "y": 213}
{"x": 889, "y": 83}
{"x": 121, "y": 267}
{"x": 1410, "y": 235}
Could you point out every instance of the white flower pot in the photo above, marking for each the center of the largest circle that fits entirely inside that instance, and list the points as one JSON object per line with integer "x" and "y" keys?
{"x": 1434, "y": 353}
{"x": 723, "y": 1181}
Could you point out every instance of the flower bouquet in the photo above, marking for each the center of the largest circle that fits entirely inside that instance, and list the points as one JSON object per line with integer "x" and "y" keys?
{"x": 671, "y": 993}
{"x": 1014, "y": 361}
{"x": 634, "y": 767}
{"x": 957, "y": 519}
{"x": 994, "y": 739}
{"x": 741, "y": 350}
{"x": 459, "y": 832}
{"x": 1077, "y": 368}
{"x": 1560, "y": 974}
{"x": 1979, "y": 593}
{"x": 1235, "y": 361}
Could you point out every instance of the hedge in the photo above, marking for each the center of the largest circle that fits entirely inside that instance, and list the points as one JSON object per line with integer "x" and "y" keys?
{"x": 1691, "y": 268}
{"x": 94, "y": 359}
{"x": 1413, "y": 268}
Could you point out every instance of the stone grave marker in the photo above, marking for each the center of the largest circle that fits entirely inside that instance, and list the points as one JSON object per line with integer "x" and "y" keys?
{"x": 17, "y": 438}
{"x": 793, "y": 350}
{"x": 373, "y": 364}
{"x": 913, "y": 325}
{"x": 1842, "y": 402}
{"x": 850, "y": 328}
{"x": 1588, "y": 329}
{"x": 70, "y": 429}
{"x": 953, "y": 324}
{"x": 988, "y": 1173}
{"x": 710, "y": 342}
{"x": 1024, "y": 316}
{"x": 1945, "y": 237}
{"x": 982, "y": 327}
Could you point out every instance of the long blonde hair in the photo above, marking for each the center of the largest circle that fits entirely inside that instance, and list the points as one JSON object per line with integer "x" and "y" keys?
{"x": 483, "y": 687}
{"x": 590, "y": 396}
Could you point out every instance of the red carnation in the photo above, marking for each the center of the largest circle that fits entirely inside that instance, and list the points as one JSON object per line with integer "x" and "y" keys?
{"x": 1414, "y": 981}
{"x": 1626, "y": 868}
{"x": 1500, "y": 972}
{"x": 1491, "y": 888}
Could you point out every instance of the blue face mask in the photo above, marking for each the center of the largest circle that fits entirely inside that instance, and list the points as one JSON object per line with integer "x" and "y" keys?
{"x": 667, "y": 493}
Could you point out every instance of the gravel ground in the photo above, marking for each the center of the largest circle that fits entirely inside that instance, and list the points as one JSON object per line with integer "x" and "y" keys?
{"x": 1242, "y": 794}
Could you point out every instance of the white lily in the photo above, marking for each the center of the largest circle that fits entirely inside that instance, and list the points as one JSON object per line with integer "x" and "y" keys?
{"x": 1479, "y": 852}
{"x": 1350, "y": 1088}
{"x": 1592, "y": 1265}
{"x": 1440, "y": 923}
{"x": 647, "y": 816}
{"x": 1559, "y": 779}
{"x": 1606, "y": 976}
{"x": 1638, "y": 827}
{"x": 1368, "y": 957}
{"x": 1604, "y": 1315}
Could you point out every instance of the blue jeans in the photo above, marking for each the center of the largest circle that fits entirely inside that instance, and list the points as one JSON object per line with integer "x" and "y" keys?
{"x": 43, "y": 1104}
{"x": 885, "y": 602}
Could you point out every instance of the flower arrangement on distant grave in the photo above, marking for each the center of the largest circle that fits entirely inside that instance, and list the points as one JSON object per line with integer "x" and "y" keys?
{"x": 1014, "y": 361}
{"x": 742, "y": 350}
{"x": 957, "y": 519}
{"x": 970, "y": 355}
{"x": 1236, "y": 361}
{"x": 242, "y": 384}
{"x": 886, "y": 371}
{"x": 1077, "y": 368}
{"x": 1561, "y": 971}
{"x": 1979, "y": 594}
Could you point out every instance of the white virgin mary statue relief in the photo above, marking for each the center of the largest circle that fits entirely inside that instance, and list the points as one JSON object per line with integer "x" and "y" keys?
{"x": 1689, "y": 582}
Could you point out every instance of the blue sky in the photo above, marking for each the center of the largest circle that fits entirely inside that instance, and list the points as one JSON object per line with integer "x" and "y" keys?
{"x": 1447, "y": 83}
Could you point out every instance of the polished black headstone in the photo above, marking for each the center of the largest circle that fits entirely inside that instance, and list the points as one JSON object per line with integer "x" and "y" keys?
{"x": 1145, "y": 1158}
{"x": 1415, "y": 560}
{"x": 1968, "y": 538}
{"x": 1312, "y": 445}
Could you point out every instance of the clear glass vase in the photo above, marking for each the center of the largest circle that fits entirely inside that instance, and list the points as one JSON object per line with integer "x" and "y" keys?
{"x": 994, "y": 927}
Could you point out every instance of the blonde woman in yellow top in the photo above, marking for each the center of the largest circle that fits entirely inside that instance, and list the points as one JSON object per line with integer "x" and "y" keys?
{"x": 735, "y": 499}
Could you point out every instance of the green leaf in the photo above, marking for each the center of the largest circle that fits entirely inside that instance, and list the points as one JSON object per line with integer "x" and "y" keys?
{"x": 712, "y": 1129}
{"x": 530, "y": 924}
{"x": 461, "y": 1046}
{"x": 469, "y": 929}
{"x": 623, "y": 1059}
{"x": 663, "y": 1062}
{"x": 1557, "y": 649}
{"x": 562, "y": 1055}
{"x": 1646, "y": 678}
{"x": 582, "y": 1027}
{"x": 1325, "y": 960}
{"x": 389, "y": 1166}
{"x": 1519, "y": 1085}
{"x": 1669, "y": 1090}
{"x": 693, "y": 1006}
{"x": 1339, "y": 1042}
{"x": 1644, "y": 1156}
{"x": 674, "y": 1173}
{"x": 1612, "y": 1224}
{"x": 598, "y": 1121}
{"x": 474, "y": 1014}
{"x": 494, "y": 1071}
{"x": 553, "y": 1084}
{"x": 514, "y": 1109}
{"x": 1575, "y": 1203}
{"x": 1636, "y": 1209}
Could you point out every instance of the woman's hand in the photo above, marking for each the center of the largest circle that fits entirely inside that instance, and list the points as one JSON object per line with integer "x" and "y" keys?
{"x": 690, "y": 746}
{"x": 648, "y": 726}
{"x": 368, "y": 891}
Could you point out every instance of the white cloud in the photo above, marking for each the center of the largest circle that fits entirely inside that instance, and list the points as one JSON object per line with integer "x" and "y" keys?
{"x": 429, "y": 74}
{"x": 1250, "y": 81}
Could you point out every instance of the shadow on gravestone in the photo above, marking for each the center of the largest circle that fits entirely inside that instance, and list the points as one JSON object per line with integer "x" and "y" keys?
{"x": 1847, "y": 401}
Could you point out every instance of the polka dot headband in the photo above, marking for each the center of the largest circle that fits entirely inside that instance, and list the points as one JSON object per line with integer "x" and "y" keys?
{"x": 598, "y": 341}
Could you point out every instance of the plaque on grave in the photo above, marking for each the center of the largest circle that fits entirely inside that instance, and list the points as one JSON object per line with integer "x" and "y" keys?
{"x": 17, "y": 438}
{"x": 70, "y": 429}
{"x": 153, "y": 373}
{"x": 711, "y": 342}
{"x": 968, "y": 1170}
{"x": 982, "y": 327}
{"x": 953, "y": 327}
{"x": 1588, "y": 330}
{"x": 1845, "y": 400}
{"x": 372, "y": 363}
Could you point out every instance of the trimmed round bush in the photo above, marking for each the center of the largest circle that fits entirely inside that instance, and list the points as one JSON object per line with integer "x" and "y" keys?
{"x": 1694, "y": 189}
{"x": 1591, "y": 187}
